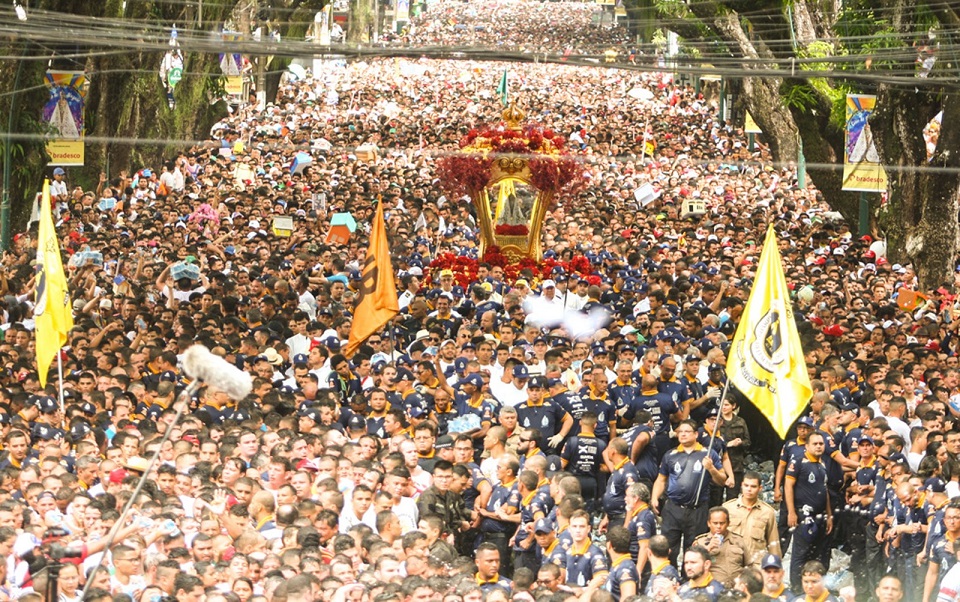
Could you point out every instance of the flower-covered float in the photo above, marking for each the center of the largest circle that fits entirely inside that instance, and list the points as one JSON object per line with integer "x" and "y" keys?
{"x": 512, "y": 172}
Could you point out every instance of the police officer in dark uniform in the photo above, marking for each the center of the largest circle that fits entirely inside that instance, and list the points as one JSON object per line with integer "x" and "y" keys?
{"x": 683, "y": 480}
{"x": 643, "y": 450}
{"x": 623, "y": 389}
{"x": 792, "y": 448}
{"x": 661, "y": 407}
{"x": 808, "y": 506}
{"x": 542, "y": 413}
{"x": 583, "y": 454}
{"x": 623, "y": 474}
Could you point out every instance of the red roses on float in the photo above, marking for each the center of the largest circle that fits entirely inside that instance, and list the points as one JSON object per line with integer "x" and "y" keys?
{"x": 465, "y": 268}
{"x": 512, "y": 230}
{"x": 552, "y": 166}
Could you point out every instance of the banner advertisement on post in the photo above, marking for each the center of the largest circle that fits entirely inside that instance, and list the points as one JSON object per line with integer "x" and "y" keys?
{"x": 63, "y": 112}
{"x": 861, "y": 164}
{"x": 402, "y": 11}
{"x": 232, "y": 64}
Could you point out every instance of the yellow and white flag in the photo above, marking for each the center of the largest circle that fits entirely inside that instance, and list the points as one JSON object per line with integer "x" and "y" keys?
{"x": 766, "y": 360}
{"x": 53, "y": 314}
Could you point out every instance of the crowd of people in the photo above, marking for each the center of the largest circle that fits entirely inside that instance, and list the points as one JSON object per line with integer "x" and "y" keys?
{"x": 464, "y": 454}
{"x": 541, "y": 27}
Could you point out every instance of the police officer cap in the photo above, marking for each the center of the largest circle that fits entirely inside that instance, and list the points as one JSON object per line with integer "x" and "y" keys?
{"x": 544, "y": 525}
{"x": 771, "y": 561}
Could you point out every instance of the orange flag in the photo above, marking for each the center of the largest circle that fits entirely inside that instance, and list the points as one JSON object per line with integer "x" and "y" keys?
{"x": 378, "y": 291}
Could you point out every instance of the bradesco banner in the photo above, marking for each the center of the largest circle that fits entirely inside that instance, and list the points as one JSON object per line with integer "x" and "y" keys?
{"x": 63, "y": 112}
{"x": 861, "y": 163}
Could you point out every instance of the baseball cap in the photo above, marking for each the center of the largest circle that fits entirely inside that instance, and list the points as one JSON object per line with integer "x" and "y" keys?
{"x": 771, "y": 561}
{"x": 537, "y": 382}
{"x": 520, "y": 371}
{"x": 544, "y": 525}
{"x": 404, "y": 375}
{"x": 312, "y": 414}
{"x": 59, "y": 172}
{"x": 473, "y": 379}
{"x": 865, "y": 439}
{"x": 356, "y": 423}
{"x": 805, "y": 421}
{"x": 548, "y": 284}
{"x": 444, "y": 442}
{"x": 47, "y": 404}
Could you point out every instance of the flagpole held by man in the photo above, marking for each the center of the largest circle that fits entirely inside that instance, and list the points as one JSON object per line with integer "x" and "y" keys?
{"x": 52, "y": 313}
{"x": 378, "y": 302}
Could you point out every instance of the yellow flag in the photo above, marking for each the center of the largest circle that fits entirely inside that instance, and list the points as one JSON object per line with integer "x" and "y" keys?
{"x": 378, "y": 301}
{"x": 766, "y": 361}
{"x": 53, "y": 315}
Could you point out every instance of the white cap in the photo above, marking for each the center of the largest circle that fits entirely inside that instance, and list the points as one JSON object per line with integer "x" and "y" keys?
{"x": 548, "y": 284}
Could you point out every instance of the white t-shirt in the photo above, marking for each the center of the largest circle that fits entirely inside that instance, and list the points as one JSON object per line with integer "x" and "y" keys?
{"x": 950, "y": 585}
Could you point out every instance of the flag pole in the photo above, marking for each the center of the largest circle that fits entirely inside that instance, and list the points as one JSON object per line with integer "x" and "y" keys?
{"x": 713, "y": 437}
{"x": 60, "y": 376}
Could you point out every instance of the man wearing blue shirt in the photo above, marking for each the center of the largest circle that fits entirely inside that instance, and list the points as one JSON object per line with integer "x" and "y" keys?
{"x": 587, "y": 567}
{"x": 488, "y": 568}
{"x": 683, "y": 479}
{"x": 623, "y": 474}
{"x": 624, "y": 579}
{"x": 700, "y": 582}
{"x": 808, "y": 505}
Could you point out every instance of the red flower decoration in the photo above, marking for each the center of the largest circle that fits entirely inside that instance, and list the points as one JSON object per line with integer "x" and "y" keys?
{"x": 512, "y": 230}
{"x": 465, "y": 268}
{"x": 552, "y": 167}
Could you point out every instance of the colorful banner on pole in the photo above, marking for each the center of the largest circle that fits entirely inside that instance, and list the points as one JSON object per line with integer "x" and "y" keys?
{"x": 63, "y": 112}
{"x": 232, "y": 66}
{"x": 402, "y": 10}
{"x": 861, "y": 163}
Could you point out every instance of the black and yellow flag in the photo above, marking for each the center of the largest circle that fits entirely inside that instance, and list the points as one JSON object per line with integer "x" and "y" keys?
{"x": 52, "y": 314}
{"x": 766, "y": 361}
{"x": 378, "y": 301}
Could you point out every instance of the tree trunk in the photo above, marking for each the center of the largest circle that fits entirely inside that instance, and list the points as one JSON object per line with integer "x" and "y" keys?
{"x": 361, "y": 21}
{"x": 923, "y": 201}
{"x": 823, "y": 145}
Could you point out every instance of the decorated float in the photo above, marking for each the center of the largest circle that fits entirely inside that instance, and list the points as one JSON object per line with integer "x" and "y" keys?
{"x": 513, "y": 173}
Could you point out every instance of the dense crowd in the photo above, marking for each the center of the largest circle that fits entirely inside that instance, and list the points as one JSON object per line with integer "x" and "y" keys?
{"x": 541, "y": 27}
{"x": 464, "y": 454}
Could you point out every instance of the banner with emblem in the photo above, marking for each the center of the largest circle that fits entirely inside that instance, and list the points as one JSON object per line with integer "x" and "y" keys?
{"x": 53, "y": 315}
{"x": 766, "y": 361}
{"x": 63, "y": 113}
